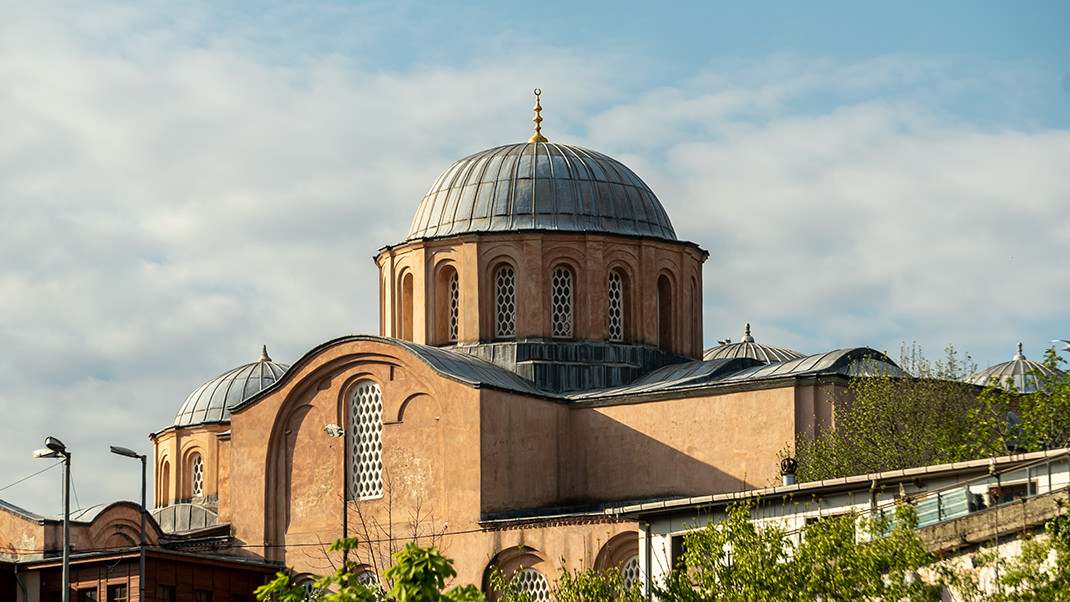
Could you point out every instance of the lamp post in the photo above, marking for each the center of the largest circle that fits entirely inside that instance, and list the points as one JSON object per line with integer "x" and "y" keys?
{"x": 54, "y": 448}
{"x": 129, "y": 453}
{"x": 337, "y": 432}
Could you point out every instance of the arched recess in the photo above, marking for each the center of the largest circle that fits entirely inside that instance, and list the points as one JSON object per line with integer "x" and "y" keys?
{"x": 405, "y": 311}
{"x": 163, "y": 490}
{"x": 447, "y": 305}
{"x": 524, "y": 563}
{"x": 666, "y": 315}
{"x": 278, "y": 479}
{"x": 617, "y": 551}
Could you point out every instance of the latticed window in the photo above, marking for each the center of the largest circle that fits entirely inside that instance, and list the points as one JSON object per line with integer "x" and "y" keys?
{"x": 365, "y": 442}
{"x": 629, "y": 572}
{"x": 532, "y": 583}
{"x": 561, "y": 302}
{"x": 454, "y": 306}
{"x": 196, "y": 475}
{"x": 616, "y": 307}
{"x": 505, "y": 302}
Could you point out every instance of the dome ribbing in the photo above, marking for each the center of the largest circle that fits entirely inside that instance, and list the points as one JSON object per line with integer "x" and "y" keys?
{"x": 210, "y": 402}
{"x": 540, "y": 186}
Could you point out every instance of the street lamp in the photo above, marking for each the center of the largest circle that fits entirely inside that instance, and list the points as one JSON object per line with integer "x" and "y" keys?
{"x": 337, "y": 432}
{"x": 129, "y": 453}
{"x": 54, "y": 448}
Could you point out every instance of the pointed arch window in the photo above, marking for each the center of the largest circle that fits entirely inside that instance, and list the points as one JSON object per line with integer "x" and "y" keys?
{"x": 365, "y": 439}
{"x": 561, "y": 293}
{"x": 505, "y": 302}
{"x": 616, "y": 306}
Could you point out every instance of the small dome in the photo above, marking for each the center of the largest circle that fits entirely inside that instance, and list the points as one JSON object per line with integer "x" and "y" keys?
{"x": 746, "y": 347}
{"x": 1024, "y": 374}
{"x": 540, "y": 186}
{"x": 211, "y": 402}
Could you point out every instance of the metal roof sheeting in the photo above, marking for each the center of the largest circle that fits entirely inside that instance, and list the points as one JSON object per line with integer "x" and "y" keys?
{"x": 746, "y": 347}
{"x": 540, "y": 186}
{"x": 1026, "y": 376}
{"x": 211, "y": 402}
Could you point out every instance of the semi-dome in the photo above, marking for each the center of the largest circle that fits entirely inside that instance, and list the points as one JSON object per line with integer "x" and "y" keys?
{"x": 540, "y": 186}
{"x": 746, "y": 347}
{"x": 1026, "y": 375}
{"x": 211, "y": 402}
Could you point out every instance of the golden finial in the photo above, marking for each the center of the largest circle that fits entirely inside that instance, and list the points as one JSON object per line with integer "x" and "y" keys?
{"x": 538, "y": 137}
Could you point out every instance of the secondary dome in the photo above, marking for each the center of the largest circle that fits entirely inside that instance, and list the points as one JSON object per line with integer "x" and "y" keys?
{"x": 1025, "y": 375}
{"x": 746, "y": 347}
{"x": 540, "y": 186}
{"x": 211, "y": 402}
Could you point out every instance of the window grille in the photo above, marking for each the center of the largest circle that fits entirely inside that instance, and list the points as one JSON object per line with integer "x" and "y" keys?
{"x": 454, "y": 306}
{"x": 532, "y": 583}
{"x": 505, "y": 302}
{"x": 196, "y": 475}
{"x": 629, "y": 572}
{"x": 561, "y": 302}
{"x": 365, "y": 442}
{"x": 616, "y": 307}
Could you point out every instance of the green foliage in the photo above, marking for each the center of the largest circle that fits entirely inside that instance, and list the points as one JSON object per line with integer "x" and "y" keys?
{"x": 1041, "y": 573}
{"x": 419, "y": 575}
{"x": 1043, "y": 415}
{"x": 841, "y": 558}
{"x": 588, "y": 585}
{"x": 890, "y": 422}
{"x": 596, "y": 586}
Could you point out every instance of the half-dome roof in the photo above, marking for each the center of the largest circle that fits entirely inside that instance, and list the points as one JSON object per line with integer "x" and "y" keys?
{"x": 540, "y": 186}
{"x": 1026, "y": 375}
{"x": 211, "y": 402}
{"x": 746, "y": 347}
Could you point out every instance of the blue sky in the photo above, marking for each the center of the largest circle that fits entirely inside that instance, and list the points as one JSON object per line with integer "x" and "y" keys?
{"x": 182, "y": 184}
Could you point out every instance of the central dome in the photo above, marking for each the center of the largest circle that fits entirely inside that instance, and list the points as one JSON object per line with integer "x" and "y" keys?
{"x": 540, "y": 186}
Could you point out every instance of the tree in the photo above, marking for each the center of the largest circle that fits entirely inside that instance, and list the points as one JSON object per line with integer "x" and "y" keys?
{"x": 588, "y": 585}
{"x": 419, "y": 575}
{"x": 842, "y": 558}
{"x": 1007, "y": 420}
{"x": 889, "y": 421}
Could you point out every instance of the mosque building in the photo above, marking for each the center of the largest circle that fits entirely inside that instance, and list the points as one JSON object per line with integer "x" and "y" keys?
{"x": 539, "y": 360}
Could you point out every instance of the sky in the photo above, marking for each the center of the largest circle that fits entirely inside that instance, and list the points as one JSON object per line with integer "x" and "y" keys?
{"x": 181, "y": 183}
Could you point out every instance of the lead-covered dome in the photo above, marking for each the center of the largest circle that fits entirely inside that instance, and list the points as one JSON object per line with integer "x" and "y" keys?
{"x": 211, "y": 402}
{"x": 746, "y": 347}
{"x": 540, "y": 186}
{"x": 1025, "y": 375}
